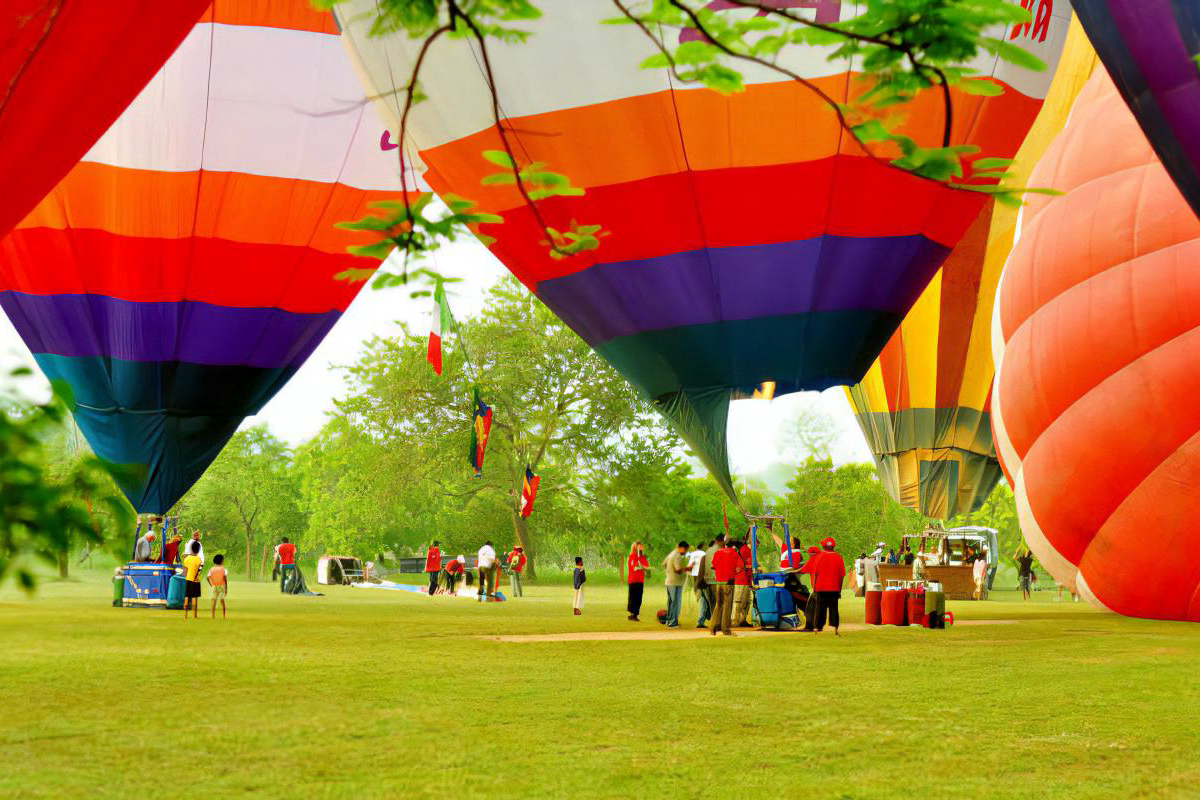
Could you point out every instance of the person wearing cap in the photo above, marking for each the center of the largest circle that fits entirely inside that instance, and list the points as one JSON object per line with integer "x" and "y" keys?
{"x": 142, "y": 550}
{"x": 828, "y": 574}
{"x": 454, "y": 569}
{"x": 516, "y": 567}
{"x": 433, "y": 565}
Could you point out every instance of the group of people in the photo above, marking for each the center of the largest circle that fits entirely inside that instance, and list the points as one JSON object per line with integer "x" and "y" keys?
{"x": 190, "y": 556}
{"x": 721, "y": 575}
{"x": 446, "y": 575}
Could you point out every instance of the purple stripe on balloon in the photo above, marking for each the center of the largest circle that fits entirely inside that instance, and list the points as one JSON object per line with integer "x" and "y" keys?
{"x": 827, "y": 273}
{"x": 81, "y": 325}
{"x": 1151, "y": 34}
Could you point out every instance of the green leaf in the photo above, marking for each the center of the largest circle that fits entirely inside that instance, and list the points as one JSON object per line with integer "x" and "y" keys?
{"x": 499, "y": 158}
{"x": 498, "y": 178}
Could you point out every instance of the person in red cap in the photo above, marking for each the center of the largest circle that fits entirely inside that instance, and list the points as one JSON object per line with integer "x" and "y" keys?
{"x": 828, "y": 575}
{"x": 810, "y": 607}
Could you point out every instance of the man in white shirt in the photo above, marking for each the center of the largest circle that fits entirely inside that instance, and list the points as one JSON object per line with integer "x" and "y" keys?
{"x": 186, "y": 549}
{"x": 871, "y": 571}
{"x": 694, "y": 557}
{"x": 486, "y": 558}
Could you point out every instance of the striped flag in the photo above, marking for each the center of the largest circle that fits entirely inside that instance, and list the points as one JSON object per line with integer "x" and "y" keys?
{"x": 439, "y": 325}
{"x": 529, "y": 491}
{"x": 481, "y": 428}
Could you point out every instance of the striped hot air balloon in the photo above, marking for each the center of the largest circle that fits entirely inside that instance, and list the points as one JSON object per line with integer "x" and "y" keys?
{"x": 67, "y": 70}
{"x": 182, "y": 272}
{"x": 1097, "y": 338}
{"x": 750, "y": 241}
{"x": 925, "y": 404}
{"x": 1150, "y": 49}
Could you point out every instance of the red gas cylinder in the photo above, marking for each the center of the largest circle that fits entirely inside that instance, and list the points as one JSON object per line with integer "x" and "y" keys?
{"x": 895, "y": 607}
{"x": 874, "y": 612}
{"x": 916, "y": 607}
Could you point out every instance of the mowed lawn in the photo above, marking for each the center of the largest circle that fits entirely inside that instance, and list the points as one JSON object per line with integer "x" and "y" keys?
{"x": 366, "y": 693}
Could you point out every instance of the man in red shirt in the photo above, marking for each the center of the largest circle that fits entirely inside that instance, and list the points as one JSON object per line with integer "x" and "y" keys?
{"x": 516, "y": 568}
{"x": 433, "y": 565}
{"x": 287, "y": 563}
{"x": 454, "y": 570}
{"x": 828, "y": 575}
{"x": 726, "y": 564}
{"x": 742, "y": 583}
{"x": 638, "y": 565}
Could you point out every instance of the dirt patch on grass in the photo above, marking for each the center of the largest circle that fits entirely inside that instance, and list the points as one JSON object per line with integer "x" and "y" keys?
{"x": 663, "y": 634}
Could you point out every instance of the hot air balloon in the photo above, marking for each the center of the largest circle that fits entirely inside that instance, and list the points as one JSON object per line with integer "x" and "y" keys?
{"x": 749, "y": 242}
{"x": 67, "y": 70}
{"x": 925, "y": 404}
{"x": 1149, "y": 48}
{"x": 1097, "y": 338}
{"x": 187, "y": 266}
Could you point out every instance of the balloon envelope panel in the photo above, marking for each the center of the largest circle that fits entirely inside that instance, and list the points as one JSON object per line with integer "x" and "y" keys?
{"x": 748, "y": 238}
{"x": 186, "y": 267}
{"x": 925, "y": 404}
{"x": 1149, "y": 47}
{"x": 1097, "y": 333}
{"x": 67, "y": 71}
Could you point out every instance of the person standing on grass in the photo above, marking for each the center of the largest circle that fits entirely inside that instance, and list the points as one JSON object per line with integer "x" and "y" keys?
{"x": 191, "y": 592}
{"x": 675, "y": 565}
{"x": 638, "y": 565}
{"x": 726, "y": 563}
{"x": 860, "y": 575}
{"x": 579, "y": 579}
{"x": 979, "y": 573}
{"x": 810, "y": 606}
{"x": 694, "y": 557}
{"x": 742, "y": 586}
{"x": 485, "y": 560}
{"x": 287, "y": 563}
{"x": 433, "y": 565}
{"x": 218, "y": 579}
{"x": 706, "y": 572}
{"x": 1025, "y": 572}
{"x": 829, "y": 573}
{"x": 199, "y": 547}
{"x": 704, "y": 590}
{"x": 516, "y": 566}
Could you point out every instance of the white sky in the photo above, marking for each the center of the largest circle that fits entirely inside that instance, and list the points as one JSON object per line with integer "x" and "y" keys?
{"x": 298, "y": 411}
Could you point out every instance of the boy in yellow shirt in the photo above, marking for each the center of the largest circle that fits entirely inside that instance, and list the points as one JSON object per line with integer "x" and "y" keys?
{"x": 191, "y": 566}
{"x": 219, "y": 581}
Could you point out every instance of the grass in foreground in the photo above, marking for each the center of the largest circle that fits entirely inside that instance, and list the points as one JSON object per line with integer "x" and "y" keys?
{"x": 366, "y": 693}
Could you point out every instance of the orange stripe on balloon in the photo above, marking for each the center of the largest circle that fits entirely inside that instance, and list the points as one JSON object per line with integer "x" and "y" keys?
{"x": 297, "y": 15}
{"x": 225, "y": 205}
{"x": 639, "y": 137}
{"x": 959, "y": 301}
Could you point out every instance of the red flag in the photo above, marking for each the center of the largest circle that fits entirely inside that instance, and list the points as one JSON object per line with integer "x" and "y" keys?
{"x": 529, "y": 492}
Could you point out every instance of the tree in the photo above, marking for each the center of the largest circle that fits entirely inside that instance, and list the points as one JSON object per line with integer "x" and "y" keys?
{"x": 46, "y": 504}
{"x": 557, "y": 408}
{"x": 848, "y": 503}
{"x": 249, "y": 495}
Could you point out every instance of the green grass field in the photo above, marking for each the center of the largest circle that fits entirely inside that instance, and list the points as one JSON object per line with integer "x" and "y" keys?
{"x": 386, "y": 694}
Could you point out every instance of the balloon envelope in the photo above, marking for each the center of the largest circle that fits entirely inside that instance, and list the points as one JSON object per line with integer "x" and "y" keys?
{"x": 1097, "y": 335}
{"x": 185, "y": 269}
{"x": 67, "y": 70}
{"x": 748, "y": 239}
{"x": 1149, "y": 48}
{"x": 925, "y": 404}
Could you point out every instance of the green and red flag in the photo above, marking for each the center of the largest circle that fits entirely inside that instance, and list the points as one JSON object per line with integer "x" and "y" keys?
{"x": 529, "y": 491}
{"x": 439, "y": 326}
{"x": 481, "y": 427}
